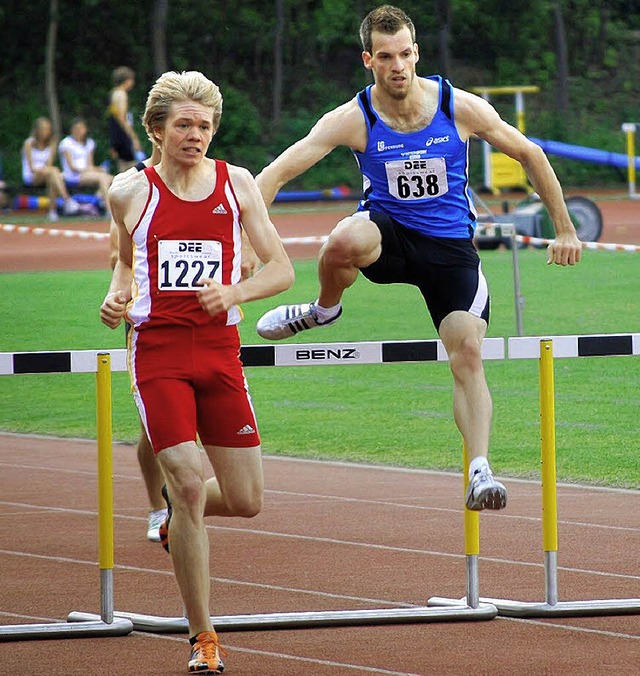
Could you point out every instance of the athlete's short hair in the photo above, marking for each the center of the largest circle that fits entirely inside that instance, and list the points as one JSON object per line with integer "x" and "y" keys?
{"x": 122, "y": 74}
{"x": 384, "y": 19}
{"x": 172, "y": 87}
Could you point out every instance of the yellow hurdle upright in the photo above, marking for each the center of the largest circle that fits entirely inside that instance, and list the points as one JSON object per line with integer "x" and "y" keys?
{"x": 548, "y": 470}
{"x": 105, "y": 485}
{"x": 471, "y": 540}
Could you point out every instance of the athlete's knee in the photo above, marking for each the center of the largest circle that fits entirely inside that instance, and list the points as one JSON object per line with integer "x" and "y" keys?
{"x": 247, "y": 504}
{"x": 465, "y": 355}
{"x": 187, "y": 492}
{"x": 351, "y": 240}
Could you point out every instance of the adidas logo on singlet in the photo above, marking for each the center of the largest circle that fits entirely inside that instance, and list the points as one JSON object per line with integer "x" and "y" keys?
{"x": 219, "y": 209}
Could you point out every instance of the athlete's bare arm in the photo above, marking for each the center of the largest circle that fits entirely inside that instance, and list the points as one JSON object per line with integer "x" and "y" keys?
{"x": 343, "y": 126}
{"x": 127, "y": 198}
{"x": 474, "y": 115}
{"x": 275, "y": 276}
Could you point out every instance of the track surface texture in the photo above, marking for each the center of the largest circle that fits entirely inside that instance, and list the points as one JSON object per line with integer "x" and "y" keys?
{"x": 331, "y": 537}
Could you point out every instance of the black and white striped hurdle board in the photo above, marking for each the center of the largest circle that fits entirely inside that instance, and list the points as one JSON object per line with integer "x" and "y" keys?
{"x": 344, "y": 354}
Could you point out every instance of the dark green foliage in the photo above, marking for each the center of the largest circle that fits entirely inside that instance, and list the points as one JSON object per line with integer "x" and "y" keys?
{"x": 491, "y": 43}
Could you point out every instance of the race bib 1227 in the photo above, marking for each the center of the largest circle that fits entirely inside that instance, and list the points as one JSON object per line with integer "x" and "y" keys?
{"x": 184, "y": 264}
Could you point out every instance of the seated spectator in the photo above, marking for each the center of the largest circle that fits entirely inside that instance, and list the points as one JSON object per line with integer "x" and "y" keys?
{"x": 38, "y": 154}
{"x": 76, "y": 153}
{"x": 125, "y": 145}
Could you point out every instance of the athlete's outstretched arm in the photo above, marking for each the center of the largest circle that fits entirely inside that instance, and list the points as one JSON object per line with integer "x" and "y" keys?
{"x": 343, "y": 126}
{"x": 474, "y": 115}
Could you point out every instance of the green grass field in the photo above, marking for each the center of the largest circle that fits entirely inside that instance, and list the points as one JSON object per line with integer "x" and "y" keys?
{"x": 396, "y": 414}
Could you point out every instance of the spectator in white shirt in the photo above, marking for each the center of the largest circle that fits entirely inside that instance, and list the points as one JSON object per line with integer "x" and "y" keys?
{"x": 76, "y": 153}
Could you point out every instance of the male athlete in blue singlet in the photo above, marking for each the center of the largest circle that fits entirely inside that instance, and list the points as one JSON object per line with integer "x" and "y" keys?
{"x": 415, "y": 224}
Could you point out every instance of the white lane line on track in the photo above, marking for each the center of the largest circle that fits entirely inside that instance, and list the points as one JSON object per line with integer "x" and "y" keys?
{"x": 347, "y": 499}
{"x": 343, "y": 464}
{"x": 335, "y": 541}
{"x": 572, "y": 628}
{"x": 218, "y": 580}
{"x": 298, "y": 658}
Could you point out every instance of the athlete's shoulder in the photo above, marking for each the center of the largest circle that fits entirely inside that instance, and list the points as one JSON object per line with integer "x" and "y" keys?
{"x": 127, "y": 184}
{"x": 342, "y": 126}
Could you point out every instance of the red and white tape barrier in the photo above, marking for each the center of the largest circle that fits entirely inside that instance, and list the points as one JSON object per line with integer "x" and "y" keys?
{"x": 313, "y": 239}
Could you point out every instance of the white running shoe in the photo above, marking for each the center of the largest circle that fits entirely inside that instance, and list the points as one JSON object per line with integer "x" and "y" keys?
{"x": 156, "y": 519}
{"x": 484, "y": 492}
{"x": 287, "y": 320}
{"x": 70, "y": 207}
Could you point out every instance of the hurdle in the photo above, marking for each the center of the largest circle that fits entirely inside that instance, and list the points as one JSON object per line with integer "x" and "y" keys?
{"x": 311, "y": 354}
{"x": 105, "y": 624}
{"x": 568, "y": 346}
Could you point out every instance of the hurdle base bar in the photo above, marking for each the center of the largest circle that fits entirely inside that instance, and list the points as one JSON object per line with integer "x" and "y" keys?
{"x": 86, "y": 629}
{"x": 523, "y": 609}
{"x": 307, "y": 620}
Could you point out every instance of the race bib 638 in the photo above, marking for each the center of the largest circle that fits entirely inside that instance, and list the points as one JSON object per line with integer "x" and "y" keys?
{"x": 419, "y": 179}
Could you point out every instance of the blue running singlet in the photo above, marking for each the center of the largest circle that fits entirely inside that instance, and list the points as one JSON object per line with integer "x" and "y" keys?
{"x": 420, "y": 179}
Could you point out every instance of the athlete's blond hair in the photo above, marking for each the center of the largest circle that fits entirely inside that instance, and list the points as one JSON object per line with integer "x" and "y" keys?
{"x": 186, "y": 86}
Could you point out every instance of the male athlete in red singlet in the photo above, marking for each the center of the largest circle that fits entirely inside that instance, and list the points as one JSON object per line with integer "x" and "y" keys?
{"x": 178, "y": 281}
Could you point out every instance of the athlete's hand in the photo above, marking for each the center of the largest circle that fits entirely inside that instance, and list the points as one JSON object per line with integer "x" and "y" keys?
{"x": 215, "y": 297}
{"x": 113, "y": 309}
{"x": 565, "y": 250}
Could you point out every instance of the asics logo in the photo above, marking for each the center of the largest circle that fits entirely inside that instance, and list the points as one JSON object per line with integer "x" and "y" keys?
{"x": 432, "y": 140}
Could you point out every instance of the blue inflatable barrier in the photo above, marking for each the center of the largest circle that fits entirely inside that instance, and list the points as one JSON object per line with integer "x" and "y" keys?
{"x": 585, "y": 154}
{"x": 337, "y": 193}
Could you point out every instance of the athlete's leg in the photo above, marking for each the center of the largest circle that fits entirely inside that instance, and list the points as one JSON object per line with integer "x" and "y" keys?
{"x": 151, "y": 472}
{"x": 182, "y": 467}
{"x": 353, "y": 244}
{"x": 462, "y": 334}
{"x": 238, "y": 486}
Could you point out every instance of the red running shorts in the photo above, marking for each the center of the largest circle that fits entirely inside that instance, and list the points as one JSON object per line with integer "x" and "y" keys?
{"x": 189, "y": 381}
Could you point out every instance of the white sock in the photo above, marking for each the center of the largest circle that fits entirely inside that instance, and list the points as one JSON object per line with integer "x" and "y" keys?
{"x": 478, "y": 463}
{"x": 324, "y": 314}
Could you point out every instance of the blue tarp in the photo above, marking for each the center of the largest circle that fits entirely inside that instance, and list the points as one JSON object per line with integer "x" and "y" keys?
{"x": 585, "y": 154}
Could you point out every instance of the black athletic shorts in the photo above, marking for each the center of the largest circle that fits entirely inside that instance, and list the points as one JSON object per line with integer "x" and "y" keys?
{"x": 120, "y": 141}
{"x": 446, "y": 270}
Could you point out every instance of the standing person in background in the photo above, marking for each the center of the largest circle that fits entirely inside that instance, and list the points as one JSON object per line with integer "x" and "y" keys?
{"x": 180, "y": 237}
{"x": 38, "y": 155}
{"x": 149, "y": 467}
{"x": 78, "y": 168}
{"x": 123, "y": 140}
{"x": 415, "y": 225}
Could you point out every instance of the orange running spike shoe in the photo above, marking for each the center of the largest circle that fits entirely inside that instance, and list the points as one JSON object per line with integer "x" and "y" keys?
{"x": 205, "y": 654}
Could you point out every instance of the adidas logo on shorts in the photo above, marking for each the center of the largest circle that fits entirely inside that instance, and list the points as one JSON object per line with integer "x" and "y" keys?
{"x": 247, "y": 429}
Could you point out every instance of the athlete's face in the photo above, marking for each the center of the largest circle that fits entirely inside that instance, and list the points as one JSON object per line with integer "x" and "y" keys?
{"x": 187, "y": 132}
{"x": 392, "y": 61}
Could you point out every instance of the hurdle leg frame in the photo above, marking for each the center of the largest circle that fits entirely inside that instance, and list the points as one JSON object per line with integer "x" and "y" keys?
{"x": 105, "y": 624}
{"x": 551, "y": 606}
{"x": 471, "y": 609}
